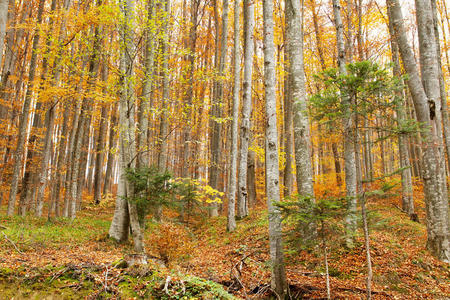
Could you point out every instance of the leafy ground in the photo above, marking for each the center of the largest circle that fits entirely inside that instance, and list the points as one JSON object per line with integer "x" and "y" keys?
{"x": 63, "y": 259}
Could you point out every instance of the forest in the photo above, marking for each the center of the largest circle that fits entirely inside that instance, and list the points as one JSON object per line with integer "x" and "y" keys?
{"x": 216, "y": 149}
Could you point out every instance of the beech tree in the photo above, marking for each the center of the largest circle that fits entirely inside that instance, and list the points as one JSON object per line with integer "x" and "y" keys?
{"x": 349, "y": 150}
{"x": 278, "y": 281}
{"x": 434, "y": 188}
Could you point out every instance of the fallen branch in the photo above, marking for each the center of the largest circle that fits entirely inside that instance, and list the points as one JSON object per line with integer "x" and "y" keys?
{"x": 12, "y": 243}
{"x": 166, "y": 285}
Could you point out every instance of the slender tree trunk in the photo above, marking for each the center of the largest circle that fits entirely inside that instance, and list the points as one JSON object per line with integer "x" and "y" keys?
{"x": 164, "y": 125}
{"x": 243, "y": 191}
{"x": 231, "y": 224}
{"x": 278, "y": 281}
{"x": 349, "y": 150}
{"x": 407, "y": 187}
{"x": 217, "y": 111}
{"x": 251, "y": 178}
{"x": 288, "y": 178}
{"x": 111, "y": 145}
{"x": 47, "y": 151}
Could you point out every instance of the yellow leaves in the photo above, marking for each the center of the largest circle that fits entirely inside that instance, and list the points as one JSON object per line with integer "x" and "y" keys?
{"x": 203, "y": 192}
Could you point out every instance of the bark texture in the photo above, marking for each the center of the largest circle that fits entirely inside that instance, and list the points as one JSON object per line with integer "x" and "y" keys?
{"x": 435, "y": 193}
{"x": 243, "y": 193}
{"x": 278, "y": 279}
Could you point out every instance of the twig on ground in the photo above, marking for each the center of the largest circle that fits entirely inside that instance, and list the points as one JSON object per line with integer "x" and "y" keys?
{"x": 106, "y": 280}
{"x": 166, "y": 285}
{"x": 12, "y": 243}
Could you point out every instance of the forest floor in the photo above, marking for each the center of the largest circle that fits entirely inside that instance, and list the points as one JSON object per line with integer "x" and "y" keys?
{"x": 61, "y": 259}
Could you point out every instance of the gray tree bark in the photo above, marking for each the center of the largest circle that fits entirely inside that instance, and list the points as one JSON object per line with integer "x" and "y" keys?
{"x": 231, "y": 217}
{"x": 406, "y": 176}
{"x": 294, "y": 33}
{"x": 349, "y": 150}
{"x": 278, "y": 278}
{"x": 435, "y": 193}
{"x": 217, "y": 110}
{"x": 127, "y": 210}
{"x": 243, "y": 191}
{"x": 443, "y": 93}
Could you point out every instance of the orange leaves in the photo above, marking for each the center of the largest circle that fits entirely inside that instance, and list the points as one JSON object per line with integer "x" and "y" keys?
{"x": 171, "y": 242}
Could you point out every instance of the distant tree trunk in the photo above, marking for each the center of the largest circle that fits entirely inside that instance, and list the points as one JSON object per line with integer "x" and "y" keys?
{"x": 111, "y": 145}
{"x": 243, "y": 191}
{"x": 435, "y": 193}
{"x": 100, "y": 145}
{"x": 251, "y": 178}
{"x": 217, "y": 111}
{"x": 231, "y": 224}
{"x": 62, "y": 157}
{"x": 143, "y": 159}
{"x": 164, "y": 124}
{"x": 349, "y": 150}
{"x": 23, "y": 120}
{"x": 288, "y": 178}
{"x": 47, "y": 151}
{"x": 192, "y": 41}
{"x": 407, "y": 187}
{"x": 278, "y": 279}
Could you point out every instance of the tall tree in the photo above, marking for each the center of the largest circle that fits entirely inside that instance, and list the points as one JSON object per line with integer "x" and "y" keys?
{"x": 349, "y": 150}
{"x": 231, "y": 225}
{"x": 243, "y": 192}
{"x": 407, "y": 186}
{"x": 278, "y": 280}
{"x": 218, "y": 96}
{"x": 126, "y": 210}
{"x": 435, "y": 194}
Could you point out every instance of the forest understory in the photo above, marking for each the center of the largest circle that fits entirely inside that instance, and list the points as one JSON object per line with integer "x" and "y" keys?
{"x": 217, "y": 149}
{"x": 63, "y": 259}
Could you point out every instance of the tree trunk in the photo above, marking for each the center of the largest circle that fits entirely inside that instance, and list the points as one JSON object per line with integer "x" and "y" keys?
{"x": 407, "y": 187}
{"x": 435, "y": 193}
{"x": 231, "y": 224}
{"x": 278, "y": 279}
{"x": 349, "y": 150}
{"x": 3, "y": 22}
{"x": 126, "y": 210}
{"x": 243, "y": 191}
{"x": 443, "y": 94}
{"x": 111, "y": 145}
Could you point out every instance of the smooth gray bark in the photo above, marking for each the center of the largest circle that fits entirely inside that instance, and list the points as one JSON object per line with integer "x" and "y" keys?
{"x": 243, "y": 192}
{"x": 294, "y": 33}
{"x": 231, "y": 217}
{"x": 278, "y": 278}
{"x": 406, "y": 176}
{"x": 126, "y": 209}
{"x": 435, "y": 193}
{"x": 217, "y": 111}
{"x": 349, "y": 150}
